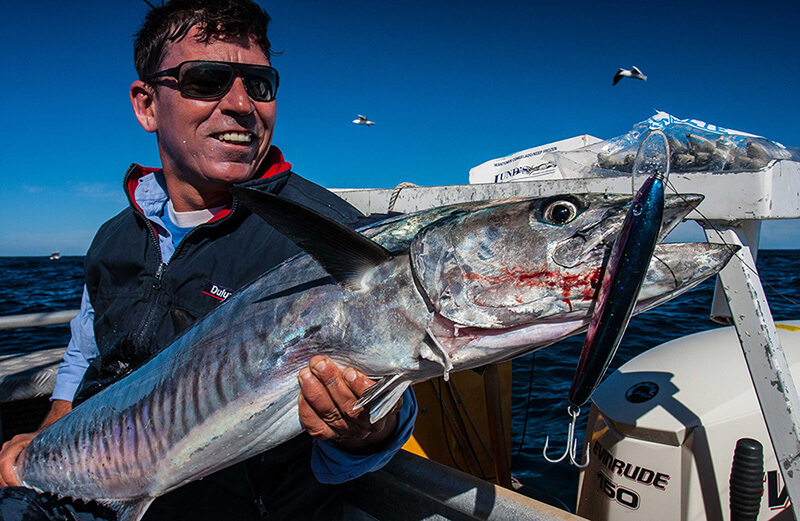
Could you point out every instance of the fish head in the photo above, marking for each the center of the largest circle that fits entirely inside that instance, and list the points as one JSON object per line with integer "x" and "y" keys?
{"x": 522, "y": 267}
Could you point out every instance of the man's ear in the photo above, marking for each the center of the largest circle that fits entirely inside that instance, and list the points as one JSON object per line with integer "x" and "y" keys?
{"x": 143, "y": 102}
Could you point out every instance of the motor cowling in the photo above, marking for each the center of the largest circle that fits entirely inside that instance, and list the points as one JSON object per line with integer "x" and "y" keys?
{"x": 663, "y": 429}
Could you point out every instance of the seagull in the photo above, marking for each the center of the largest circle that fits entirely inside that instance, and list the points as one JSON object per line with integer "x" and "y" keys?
{"x": 362, "y": 120}
{"x": 625, "y": 73}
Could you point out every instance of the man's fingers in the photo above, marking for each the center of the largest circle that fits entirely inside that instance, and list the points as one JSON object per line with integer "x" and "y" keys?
{"x": 328, "y": 373}
{"x": 8, "y": 458}
{"x": 357, "y": 382}
{"x": 317, "y": 395}
{"x": 312, "y": 423}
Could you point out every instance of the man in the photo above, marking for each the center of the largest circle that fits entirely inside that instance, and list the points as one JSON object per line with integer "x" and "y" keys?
{"x": 207, "y": 90}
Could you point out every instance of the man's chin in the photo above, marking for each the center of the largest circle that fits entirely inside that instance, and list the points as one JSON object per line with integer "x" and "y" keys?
{"x": 232, "y": 173}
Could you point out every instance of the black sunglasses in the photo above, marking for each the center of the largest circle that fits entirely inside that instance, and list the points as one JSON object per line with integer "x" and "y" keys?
{"x": 212, "y": 79}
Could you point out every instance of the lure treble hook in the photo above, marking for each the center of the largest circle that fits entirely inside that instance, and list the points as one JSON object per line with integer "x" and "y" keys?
{"x": 572, "y": 444}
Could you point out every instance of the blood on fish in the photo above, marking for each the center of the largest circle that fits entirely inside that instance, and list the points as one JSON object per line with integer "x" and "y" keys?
{"x": 586, "y": 285}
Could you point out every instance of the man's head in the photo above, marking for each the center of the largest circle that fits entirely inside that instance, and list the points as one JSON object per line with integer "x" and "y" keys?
{"x": 214, "y": 19}
{"x": 205, "y": 143}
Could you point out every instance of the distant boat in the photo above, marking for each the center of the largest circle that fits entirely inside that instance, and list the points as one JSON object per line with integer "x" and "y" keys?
{"x": 55, "y": 255}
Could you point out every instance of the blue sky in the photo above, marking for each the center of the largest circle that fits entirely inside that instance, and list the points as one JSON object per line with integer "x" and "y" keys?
{"x": 450, "y": 85}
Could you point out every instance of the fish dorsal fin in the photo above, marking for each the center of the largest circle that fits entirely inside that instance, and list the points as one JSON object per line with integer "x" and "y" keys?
{"x": 344, "y": 253}
{"x": 383, "y": 396}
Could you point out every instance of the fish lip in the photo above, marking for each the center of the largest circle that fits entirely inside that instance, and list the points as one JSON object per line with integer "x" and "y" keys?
{"x": 676, "y": 207}
{"x": 584, "y": 245}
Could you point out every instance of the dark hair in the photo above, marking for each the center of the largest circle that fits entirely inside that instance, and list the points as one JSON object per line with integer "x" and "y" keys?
{"x": 215, "y": 19}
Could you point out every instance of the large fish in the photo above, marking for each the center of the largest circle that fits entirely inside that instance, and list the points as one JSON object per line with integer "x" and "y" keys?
{"x": 407, "y": 299}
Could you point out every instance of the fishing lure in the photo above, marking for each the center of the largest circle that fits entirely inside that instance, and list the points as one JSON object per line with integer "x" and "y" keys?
{"x": 622, "y": 280}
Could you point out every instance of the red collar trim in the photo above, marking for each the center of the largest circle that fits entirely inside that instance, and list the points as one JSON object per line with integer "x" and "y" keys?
{"x": 275, "y": 164}
{"x": 136, "y": 172}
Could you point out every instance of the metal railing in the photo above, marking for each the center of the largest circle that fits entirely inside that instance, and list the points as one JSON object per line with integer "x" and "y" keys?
{"x": 37, "y": 319}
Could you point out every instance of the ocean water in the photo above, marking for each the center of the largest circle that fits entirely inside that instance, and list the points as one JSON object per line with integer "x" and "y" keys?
{"x": 35, "y": 284}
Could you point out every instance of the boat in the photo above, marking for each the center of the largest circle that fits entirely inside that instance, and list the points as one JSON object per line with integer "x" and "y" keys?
{"x": 55, "y": 255}
{"x": 671, "y": 455}
{"x": 661, "y": 439}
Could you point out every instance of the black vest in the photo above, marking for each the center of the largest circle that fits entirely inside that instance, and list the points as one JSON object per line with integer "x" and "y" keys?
{"x": 141, "y": 303}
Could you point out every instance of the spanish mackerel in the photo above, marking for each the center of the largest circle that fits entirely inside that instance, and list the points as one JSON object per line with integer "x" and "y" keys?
{"x": 405, "y": 300}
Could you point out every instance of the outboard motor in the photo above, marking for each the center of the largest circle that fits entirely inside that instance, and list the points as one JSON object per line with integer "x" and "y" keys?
{"x": 663, "y": 429}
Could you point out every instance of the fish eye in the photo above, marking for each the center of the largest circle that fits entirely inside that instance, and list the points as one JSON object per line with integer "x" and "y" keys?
{"x": 560, "y": 212}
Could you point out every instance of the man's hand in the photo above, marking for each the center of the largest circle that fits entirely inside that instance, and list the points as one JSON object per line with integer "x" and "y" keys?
{"x": 8, "y": 458}
{"x": 327, "y": 397}
{"x": 14, "y": 447}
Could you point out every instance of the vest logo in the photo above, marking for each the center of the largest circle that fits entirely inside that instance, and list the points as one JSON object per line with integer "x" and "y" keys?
{"x": 216, "y": 291}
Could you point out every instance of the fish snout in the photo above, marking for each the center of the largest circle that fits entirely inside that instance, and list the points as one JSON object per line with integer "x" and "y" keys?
{"x": 591, "y": 243}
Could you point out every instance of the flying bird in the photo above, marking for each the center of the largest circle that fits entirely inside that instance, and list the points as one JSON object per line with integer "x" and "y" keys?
{"x": 625, "y": 73}
{"x": 362, "y": 120}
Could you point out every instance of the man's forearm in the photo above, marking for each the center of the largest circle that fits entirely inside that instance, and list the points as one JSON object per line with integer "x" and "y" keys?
{"x": 58, "y": 408}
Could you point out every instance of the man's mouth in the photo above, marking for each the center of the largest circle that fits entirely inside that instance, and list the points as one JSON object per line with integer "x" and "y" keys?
{"x": 235, "y": 137}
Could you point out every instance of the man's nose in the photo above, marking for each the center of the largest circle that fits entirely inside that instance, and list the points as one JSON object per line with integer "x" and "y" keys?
{"x": 236, "y": 99}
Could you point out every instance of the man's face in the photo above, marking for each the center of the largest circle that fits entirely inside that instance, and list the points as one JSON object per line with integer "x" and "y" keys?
{"x": 206, "y": 145}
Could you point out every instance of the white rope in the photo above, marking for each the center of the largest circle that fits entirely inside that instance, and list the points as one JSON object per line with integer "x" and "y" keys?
{"x": 396, "y": 193}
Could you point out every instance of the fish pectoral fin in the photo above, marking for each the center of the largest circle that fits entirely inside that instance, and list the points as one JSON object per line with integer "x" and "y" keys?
{"x": 344, "y": 253}
{"x": 434, "y": 351}
{"x": 383, "y": 396}
{"x": 130, "y": 510}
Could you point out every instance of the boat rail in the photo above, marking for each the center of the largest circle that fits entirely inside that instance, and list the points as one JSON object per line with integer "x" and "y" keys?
{"x": 37, "y": 319}
{"x": 28, "y": 375}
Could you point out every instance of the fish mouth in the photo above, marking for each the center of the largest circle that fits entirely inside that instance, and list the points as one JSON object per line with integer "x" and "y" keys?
{"x": 519, "y": 262}
{"x": 597, "y": 239}
{"x": 674, "y": 269}
{"x": 568, "y": 294}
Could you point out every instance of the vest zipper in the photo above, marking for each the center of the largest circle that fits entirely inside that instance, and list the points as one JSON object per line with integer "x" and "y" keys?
{"x": 159, "y": 275}
{"x": 144, "y": 325}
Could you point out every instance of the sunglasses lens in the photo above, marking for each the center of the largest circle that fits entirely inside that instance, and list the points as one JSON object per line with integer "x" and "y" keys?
{"x": 213, "y": 79}
{"x": 205, "y": 79}
{"x": 260, "y": 83}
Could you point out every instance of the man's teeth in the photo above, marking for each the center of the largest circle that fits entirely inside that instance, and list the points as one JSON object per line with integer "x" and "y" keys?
{"x": 235, "y": 137}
